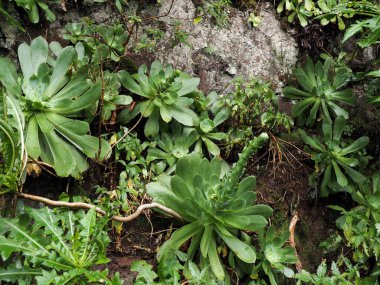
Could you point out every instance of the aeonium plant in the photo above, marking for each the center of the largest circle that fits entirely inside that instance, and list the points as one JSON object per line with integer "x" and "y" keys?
{"x": 322, "y": 92}
{"x": 173, "y": 145}
{"x": 334, "y": 161}
{"x": 166, "y": 96}
{"x": 216, "y": 204}
{"x": 53, "y": 97}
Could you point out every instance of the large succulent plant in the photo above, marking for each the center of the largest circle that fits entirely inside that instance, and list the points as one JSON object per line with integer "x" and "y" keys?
{"x": 322, "y": 89}
{"x": 165, "y": 92}
{"x": 51, "y": 93}
{"x": 215, "y": 204}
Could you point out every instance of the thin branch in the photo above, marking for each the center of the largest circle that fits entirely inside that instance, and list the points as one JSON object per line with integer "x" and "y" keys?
{"x": 81, "y": 205}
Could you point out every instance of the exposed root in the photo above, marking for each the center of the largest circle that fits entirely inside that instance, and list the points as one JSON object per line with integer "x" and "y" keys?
{"x": 81, "y": 205}
{"x": 281, "y": 153}
{"x": 292, "y": 227}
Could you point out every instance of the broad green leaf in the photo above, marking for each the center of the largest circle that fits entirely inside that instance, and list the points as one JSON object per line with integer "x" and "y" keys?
{"x": 64, "y": 163}
{"x": 205, "y": 241}
{"x": 247, "y": 184}
{"x": 178, "y": 238}
{"x": 313, "y": 113}
{"x": 301, "y": 106}
{"x": 122, "y": 100}
{"x": 33, "y": 15}
{"x": 339, "y": 111}
{"x": 211, "y": 147}
{"x": 39, "y": 49}
{"x": 360, "y": 143}
{"x": 188, "y": 86}
{"x": 342, "y": 77}
{"x": 24, "y": 56}
{"x": 294, "y": 93}
{"x": 180, "y": 188}
{"x": 206, "y": 125}
{"x": 220, "y": 117}
{"x": 355, "y": 175}
{"x": 165, "y": 114}
{"x": 61, "y": 67}
{"x": 152, "y": 127}
{"x": 375, "y": 73}
{"x": 74, "y": 88}
{"x": 162, "y": 193}
{"x": 262, "y": 210}
{"x": 215, "y": 263}
{"x": 128, "y": 82}
{"x": 84, "y": 100}
{"x": 339, "y": 125}
{"x": 184, "y": 115}
{"x": 342, "y": 180}
{"x": 241, "y": 249}
{"x": 313, "y": 142}
{"x": 309, "y": 80}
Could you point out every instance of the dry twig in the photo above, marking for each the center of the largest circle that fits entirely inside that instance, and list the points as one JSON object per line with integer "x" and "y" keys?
{"x": 81, "y": 205}
{"x": 292, "y": 227}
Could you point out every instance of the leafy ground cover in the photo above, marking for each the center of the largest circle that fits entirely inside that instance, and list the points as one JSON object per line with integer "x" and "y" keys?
{"x": 117, "y": 173}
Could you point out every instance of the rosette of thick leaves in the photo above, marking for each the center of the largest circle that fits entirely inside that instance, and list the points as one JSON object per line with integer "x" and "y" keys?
{"x": 195, "y": 193}
{"x": 335, "y": 161}
{"x": 275, "y": 255}
{"x": 171, "y": 146}
{"x": 165, "y": 91}
{"x": 322, "y": 85}
{"x": 50, "y": 96}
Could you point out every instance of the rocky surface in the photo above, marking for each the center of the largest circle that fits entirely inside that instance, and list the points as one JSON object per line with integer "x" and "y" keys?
{"x": 213, "y": 53}
{"x": 218, "y": 54}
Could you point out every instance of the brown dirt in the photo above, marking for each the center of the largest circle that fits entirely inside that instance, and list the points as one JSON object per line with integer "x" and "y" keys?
{"x": 283, "y": 185}
{"x": 139, "y": 240}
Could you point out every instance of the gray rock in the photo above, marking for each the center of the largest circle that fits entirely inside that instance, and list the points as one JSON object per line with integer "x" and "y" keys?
{"x": 214, "y": 54}
{"x": 219, "y": 54}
